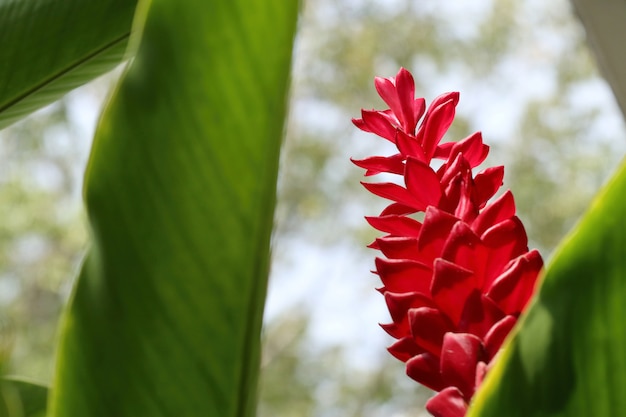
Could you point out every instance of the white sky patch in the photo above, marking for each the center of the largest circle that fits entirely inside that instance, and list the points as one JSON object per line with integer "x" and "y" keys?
{"x": 335, "y": 284}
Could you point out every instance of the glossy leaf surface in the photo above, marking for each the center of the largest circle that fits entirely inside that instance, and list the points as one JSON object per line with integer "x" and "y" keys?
{"x": 568, "y": 357}
{"x": 180, "y": 188}
{"x": 49, "y": 47}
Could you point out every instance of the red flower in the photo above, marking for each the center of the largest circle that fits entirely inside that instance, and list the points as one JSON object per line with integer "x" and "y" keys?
{"x": 455, "y": 282}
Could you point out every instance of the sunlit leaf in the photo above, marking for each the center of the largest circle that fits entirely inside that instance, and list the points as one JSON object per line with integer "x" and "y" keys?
{"x": 569, "y": 355}
{"x": 180, "y": 189}
{"x": 48, "y": 47}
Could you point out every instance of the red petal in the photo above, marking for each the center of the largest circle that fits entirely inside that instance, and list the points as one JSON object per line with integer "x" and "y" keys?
{"x": 405, "y": 86}
{"x": 377, "y": 123}
{"x": 460, "y": 237}
{"x": 399, "y": 304}
{"x": 396, "y": 330}
{"x": 459, "y": 197}
{"x": 501, "y": 209}
{"x": 496, "y": 335}
{"x": 360, "y": 124}
{"x": 481, "y": 373}
{"x": 441, "y": 99}
{"x": 398, "y": 247}
{"x": 419, "y": 107}
{"x": 424, "y": 368}
{"x": 447, "y": 403}
{"x": 422, "y": 183}
{"x": 396, "y": 193}
{"x": 512, "y": 290}
{"x": 487, "y": 183}
{"x": 460, "y": 354}
{"x": 376, "y": 164}
{"x": 479, "y": 315}
{"x": 373, "y": 245}
{"x": 436, "y": 122}
{"x": 443, "y": 150}
{"x": 450, "y": 288}
{"x": 404, "y": 276}
{"x": 458, "y": 170}
{"x": 472, "y": 148}
{"x": 507, "y": 240}
{"x": 434, "y": 232}
{"x": 386, "y": 89}
{"x": 396, "y": 225}
{"x": 465, "y": 249}
{"x": 404, "y": 349}
{"x": 506, "y": 232}
{"x": 409, "y": 146}
{"x": 397, "y": 209}
{"x": 428, "y": 326}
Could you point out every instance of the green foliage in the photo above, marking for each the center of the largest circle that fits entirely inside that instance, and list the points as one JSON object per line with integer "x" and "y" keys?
{"x": 283, "y": 360}
{"x": 50, "y": 47}
{"x": 567, "y": 357}
{"x": 166, "y": 315}
{"x": 22, "y": 398}
{"x": 42, "y": 235}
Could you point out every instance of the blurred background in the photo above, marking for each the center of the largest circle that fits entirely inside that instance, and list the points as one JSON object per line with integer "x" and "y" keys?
{"x": 527, "y": 80}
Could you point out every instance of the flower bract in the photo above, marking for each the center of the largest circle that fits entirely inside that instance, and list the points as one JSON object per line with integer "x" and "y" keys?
{"x": 455, "y": 268}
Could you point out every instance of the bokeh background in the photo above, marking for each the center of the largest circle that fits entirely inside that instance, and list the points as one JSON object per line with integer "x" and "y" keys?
{"x": 527, "y": 80}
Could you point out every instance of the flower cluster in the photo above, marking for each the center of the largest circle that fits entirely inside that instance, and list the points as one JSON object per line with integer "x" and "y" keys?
{"x": 455, "y": 282}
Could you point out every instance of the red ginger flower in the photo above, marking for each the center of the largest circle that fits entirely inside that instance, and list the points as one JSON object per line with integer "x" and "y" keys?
{"x": 456, "y": 282}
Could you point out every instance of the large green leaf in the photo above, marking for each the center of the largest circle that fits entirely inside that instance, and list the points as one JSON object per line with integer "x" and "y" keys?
{"x": 568, "y": 357}
{"x": 21, "y": 398}
{"x": 48, "y": 47}
{"x": 180, "y": 189}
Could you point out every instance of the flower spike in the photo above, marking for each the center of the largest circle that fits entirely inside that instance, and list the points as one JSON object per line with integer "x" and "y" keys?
{"x": 456, "y": 282}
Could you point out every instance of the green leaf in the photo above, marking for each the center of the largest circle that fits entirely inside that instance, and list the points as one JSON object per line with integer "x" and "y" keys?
{"x": 49, "y": 47}
{"x": 180, "y": 189}
{"x": 568, "y": 357}
{"x": 21, "y": 398}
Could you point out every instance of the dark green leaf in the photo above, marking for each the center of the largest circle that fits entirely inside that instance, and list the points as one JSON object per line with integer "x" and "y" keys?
{"x": 568, "y": 357}
{"x": 49, "y": 47}
{"x": 20, "y": 398}
{"x": 180, "y": 188}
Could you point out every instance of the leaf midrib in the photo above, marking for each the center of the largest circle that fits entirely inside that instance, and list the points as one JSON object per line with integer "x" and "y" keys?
{"x": 55, "y": 77}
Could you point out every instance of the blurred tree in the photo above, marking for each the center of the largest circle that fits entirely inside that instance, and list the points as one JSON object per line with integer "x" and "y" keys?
{"x": 41, "y": 233}
{"x": 527, "y": 79}
{"x": 303, "y": 380}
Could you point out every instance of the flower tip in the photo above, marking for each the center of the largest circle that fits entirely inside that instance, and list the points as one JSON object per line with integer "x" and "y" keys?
{"x": 380, "y": 80}
{"x": 452, "y": 96}
{"x": 357, "y": 122}
{"x": 353, "y": 160}
{"x": 455, "y": 96}
{"x": 403, "y": 72}
{"x": 448, "y": 403}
